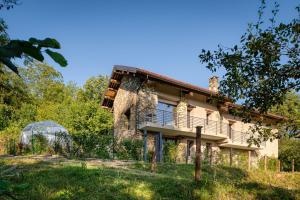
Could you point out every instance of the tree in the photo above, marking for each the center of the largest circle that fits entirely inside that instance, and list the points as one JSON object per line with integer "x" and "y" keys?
{"x": 94, "y": 88}
{"x": 263, "y": 68}
{"x": 289, "y": 150}
{"x": 13, "y": 93}
{"x": 290, "y": 108}
{"x": 43, "y": 81}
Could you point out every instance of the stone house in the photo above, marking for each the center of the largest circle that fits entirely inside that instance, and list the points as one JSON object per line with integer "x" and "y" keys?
{"x": 156, "y": 109}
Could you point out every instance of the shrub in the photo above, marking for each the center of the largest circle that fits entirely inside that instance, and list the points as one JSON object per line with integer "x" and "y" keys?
{"x": 170, "y": 151}
{"x": 271, "y": 163}
{"x": 39, "y": 144}
{"x": 92, "y": 145}
{"x": 129, "y": 149}
{"x": 11, "y": 147}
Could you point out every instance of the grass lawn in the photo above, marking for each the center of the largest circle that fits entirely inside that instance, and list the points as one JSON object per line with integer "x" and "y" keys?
{"x": 71, "y": 179}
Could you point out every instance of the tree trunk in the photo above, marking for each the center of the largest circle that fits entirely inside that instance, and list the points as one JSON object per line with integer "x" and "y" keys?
{"x": 153, "y": 162}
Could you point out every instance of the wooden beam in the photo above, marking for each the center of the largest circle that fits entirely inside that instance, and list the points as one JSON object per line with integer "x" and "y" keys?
{"x": 115, "y": 81}
{"x": 108, "y": 97}
{"x": 111, "y": 92}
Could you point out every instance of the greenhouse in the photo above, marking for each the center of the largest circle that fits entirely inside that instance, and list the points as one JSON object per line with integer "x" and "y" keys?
{"x": 50, "y": 130}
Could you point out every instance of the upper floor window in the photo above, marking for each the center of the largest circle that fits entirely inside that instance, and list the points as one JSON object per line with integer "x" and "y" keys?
{"x": 208, "y": 114}
{"x": 166, "y": 113}
{"x": 127, "y": 114}
{"x": 165, "y": 106}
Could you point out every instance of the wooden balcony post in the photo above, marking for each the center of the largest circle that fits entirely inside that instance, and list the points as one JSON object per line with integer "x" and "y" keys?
{"x": 198, "y": 154}
{"x": 278, "y": 165}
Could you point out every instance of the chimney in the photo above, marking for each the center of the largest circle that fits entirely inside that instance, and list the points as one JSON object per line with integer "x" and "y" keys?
{"x": 214, "y": 83}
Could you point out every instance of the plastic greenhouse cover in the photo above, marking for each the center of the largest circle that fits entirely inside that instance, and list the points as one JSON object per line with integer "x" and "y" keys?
{"x": 49, "y": 129}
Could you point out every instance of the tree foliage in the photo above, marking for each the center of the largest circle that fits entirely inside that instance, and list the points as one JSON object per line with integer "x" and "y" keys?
{"x": 45, "y": 96}
{"x": 264, "y": 67}
{"x": 290, "y": 108}
{"x": 289, "y": 150}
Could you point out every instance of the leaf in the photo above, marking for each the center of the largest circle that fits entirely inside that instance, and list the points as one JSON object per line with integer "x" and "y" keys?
{"x": 31, "y": 50}
{"x": 57, "y": 57}
{"x": 10, "y": 52}
{"x": 15, "y": 48}
{"x": 9, "y": 64}
{"x": 48, "y": 42}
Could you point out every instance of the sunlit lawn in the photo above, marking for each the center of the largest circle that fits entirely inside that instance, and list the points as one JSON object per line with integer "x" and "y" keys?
{"x": 75, "y": 180}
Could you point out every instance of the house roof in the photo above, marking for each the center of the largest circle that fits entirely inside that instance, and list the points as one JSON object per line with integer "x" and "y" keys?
{"x": 120, "y": 70}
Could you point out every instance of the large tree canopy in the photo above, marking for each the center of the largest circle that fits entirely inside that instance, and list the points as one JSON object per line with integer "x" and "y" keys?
{"x": 264, "y": 67}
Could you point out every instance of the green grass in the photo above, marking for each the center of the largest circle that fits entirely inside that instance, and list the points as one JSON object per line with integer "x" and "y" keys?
{"x": 74, "y": 180}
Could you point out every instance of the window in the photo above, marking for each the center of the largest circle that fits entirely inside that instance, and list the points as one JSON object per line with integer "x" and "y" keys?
{"x": 230, "y": 131}
{"x": 165, "y": 113}
{"x": 189, "y": 119}
{"x": 208, "y": 152}
{"x": 208, "y": 113}
{"x": 165, "y": 106}
{"x": 127, "y": 114}
{"x": 190, "y": 144}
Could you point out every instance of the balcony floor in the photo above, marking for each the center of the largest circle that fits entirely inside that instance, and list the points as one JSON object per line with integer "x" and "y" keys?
{"x": 239, "y": 146}
{"x": 175, "y": 131}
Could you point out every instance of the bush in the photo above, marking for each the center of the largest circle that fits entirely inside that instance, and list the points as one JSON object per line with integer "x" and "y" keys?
{"x": 92, "y": 145}
{"x": 11, "y": 147}
{"x": 129, "y": 149}
{"x": 39, "y": 144}
{"x": 170, "y": 151}
{"x": 271, "y": 163}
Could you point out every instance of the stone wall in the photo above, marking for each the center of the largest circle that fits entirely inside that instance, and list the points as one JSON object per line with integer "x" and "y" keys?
{"x": 125, "y": 102}
{"x": 181, "y": 111}
{"x": 134, "y": 97}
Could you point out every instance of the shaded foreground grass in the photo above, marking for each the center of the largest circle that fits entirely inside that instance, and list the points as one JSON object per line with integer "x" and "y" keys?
{"x": 62, "y": 179}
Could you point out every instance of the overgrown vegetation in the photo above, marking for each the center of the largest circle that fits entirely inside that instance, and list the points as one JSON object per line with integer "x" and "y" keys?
{"x": 41, "y": 94}
{"x": 289, "y": 150}
{"x": 89, "y": 180}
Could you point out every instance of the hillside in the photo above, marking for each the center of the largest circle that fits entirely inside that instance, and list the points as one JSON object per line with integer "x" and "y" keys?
{"x": 58, "y": 178}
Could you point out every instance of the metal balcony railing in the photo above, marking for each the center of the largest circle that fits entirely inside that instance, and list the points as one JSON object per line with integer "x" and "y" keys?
{"x": 169, "y": 119}
{"x": 177, "y": 120}
{"x": 240, "y": 137}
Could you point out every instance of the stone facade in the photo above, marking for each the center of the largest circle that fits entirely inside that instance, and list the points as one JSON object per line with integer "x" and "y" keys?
{"x": 137, "y": 99}
{"x": 181, "y": 111}
{"x": 124, "y": 110}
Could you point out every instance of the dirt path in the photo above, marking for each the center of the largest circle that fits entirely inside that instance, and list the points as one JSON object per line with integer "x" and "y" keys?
{"x": 123, "y": 165}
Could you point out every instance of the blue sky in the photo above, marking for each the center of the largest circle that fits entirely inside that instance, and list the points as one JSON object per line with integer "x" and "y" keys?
{"x": 163, "y": 36}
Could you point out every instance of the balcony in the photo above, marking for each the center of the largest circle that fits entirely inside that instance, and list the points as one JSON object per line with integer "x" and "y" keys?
{"x": 239, "y": 139}
{"x": 174, "y": 124}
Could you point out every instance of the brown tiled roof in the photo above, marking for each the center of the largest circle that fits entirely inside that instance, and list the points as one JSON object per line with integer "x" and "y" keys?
{"x": 119, "y": 71}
